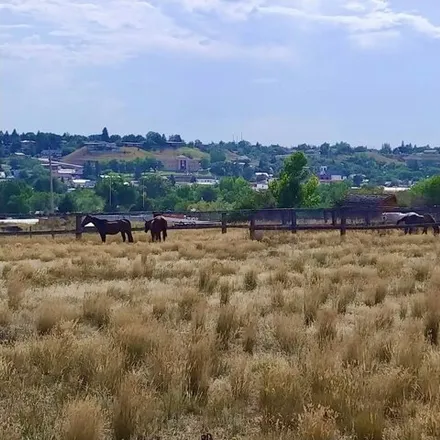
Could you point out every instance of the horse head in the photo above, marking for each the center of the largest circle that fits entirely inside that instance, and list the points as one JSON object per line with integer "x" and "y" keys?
{"x": 87, "y": 219}
{"x": 148, "y": 225}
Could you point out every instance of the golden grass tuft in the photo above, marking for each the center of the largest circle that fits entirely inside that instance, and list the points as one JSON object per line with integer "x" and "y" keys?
{"x": 15, "y": 290}
{"x": 326, "y": 326}
{"x": 281, "y": 397}
{"x": 136, "y": 411}
{"x": 208, "y": 280}
{"x": 250, "y": 280}
{"x": 83, "y": 420}
{"x": 227, "y": 324}
{"x": 5, "y": 315}
{"x": 50, "y": 313}
{"x": 97, "y": 308}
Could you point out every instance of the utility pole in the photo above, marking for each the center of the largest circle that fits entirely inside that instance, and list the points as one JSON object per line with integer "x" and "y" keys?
{"x": 110, "y": 198}
{"x": 143, "y": 194}
{"x": 52, "y": 209}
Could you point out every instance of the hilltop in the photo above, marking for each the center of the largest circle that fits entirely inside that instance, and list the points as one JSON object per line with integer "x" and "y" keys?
{"x": 82, "y": 155}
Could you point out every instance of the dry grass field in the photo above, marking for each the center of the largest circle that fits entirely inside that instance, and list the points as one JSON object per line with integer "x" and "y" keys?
{"x": 305, "y": 336}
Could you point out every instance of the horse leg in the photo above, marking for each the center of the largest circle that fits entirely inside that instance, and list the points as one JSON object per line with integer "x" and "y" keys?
{"x": 123, "y": 236}
{"x": 102, "y": 237}
{"x": 130, "y": 237}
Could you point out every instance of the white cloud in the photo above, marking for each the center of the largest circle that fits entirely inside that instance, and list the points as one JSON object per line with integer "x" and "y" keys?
{"x": 110, "y": 31}
{"x": 360, "y": 18}
{"x": 371, "y": 40}
{"x": 100, "y": 32}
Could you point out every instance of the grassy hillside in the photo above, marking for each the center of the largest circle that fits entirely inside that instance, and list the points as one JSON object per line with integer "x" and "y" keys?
{"x": 80, "y": 156}
{"x": 169, "y": 153}
{"x": 130, "y": 153}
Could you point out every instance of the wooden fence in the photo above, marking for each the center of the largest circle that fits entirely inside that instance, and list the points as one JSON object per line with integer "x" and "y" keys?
{"x": 293, "y": 220}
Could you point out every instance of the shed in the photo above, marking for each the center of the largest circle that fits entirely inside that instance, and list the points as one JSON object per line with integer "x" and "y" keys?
{"x": 369, "y": 201}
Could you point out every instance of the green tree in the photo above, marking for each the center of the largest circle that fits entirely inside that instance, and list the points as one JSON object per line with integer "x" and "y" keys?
{"x": 116, "y": 192}
{"x": 205, "y": 163}
{"x": 427, "y": 191}
{"x": 310, "y": 196}
{"x": 207, "y": 193}
{"x": 105, "y": 137}
{"x": 288, "y": 188}
{"x": 332, "y": 193}
{"x": 357, "y": 180}
{"x": 42, "y": 184}
{"x": 67, "y": 204}
{"x": 233, "y": 188}
{"x": 40, "y": 201}
{"x": 15, "y": 197}
{"x": 217, "y": 155}
{"x": 156, "y": 186}
{"x": 87, "y": 201}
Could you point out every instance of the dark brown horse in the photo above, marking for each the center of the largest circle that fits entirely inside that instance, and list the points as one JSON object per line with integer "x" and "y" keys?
{"x": 157, "y": 225}
{"x": 417, "y": 219}
{"x": 110, "y": 227}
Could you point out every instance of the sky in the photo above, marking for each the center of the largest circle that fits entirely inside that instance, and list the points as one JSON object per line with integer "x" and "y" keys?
{"x": 273, "y": 71}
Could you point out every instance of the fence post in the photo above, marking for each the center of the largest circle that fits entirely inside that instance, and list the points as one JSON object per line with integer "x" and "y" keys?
{"x": 343, "y": 222}
{"x": 333, "y": 217}
{"x": 78, "y": 229}
{"x": 368, "y": 218}
{"x": 252, "y": 227}
{"x": 224, "y": 226}
{"x": 30, "y": 231}
{"x": 293, "y": 220}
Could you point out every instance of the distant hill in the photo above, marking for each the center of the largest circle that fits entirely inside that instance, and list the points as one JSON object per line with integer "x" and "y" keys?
{"x": 81, "y": 155}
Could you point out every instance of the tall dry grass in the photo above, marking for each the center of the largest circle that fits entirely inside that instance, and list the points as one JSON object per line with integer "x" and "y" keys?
{"x": 295, "y": 336}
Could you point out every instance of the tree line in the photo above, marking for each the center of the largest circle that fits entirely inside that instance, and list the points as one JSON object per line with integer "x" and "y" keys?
{"x": 241, "y": 158}
{"x": 296, "y": 186}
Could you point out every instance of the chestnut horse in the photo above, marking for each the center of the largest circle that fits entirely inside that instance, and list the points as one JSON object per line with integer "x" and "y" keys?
{"x": 110, "y": 227}
{"x": 157, "y": 225}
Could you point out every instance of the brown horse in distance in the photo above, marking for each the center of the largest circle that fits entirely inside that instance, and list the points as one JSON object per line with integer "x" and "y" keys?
{"x": 417, "y": 219}
{"x": 110, "y": 227}
{"x": 157, "y": 225}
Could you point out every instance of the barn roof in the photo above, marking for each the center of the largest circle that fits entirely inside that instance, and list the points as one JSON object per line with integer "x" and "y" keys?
{"x": 369, "y": 201}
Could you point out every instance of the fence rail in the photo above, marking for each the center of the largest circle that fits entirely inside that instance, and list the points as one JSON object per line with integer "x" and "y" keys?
{"x": 337, "y": 219}
{"x": 293, "y": 220}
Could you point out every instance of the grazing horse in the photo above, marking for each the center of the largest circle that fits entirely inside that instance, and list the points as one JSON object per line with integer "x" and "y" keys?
{"x": 110, "y": 227}
{"x": 393, "y": 217}
{"x": 417, "y": 219}
{"x": 157, "y": 225}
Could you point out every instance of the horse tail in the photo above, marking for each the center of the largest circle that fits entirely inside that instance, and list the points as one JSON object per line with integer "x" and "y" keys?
{"x": 164, "y": 228}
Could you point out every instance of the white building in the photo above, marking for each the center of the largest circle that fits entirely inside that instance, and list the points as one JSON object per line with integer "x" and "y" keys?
{"x": 206, "y": 181}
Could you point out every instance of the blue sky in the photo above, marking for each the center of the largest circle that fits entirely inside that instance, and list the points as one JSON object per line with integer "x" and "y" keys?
{"x": 277, "y": 71}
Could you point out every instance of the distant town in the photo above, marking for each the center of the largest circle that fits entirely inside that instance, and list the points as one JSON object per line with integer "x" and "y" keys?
{"x": 102, "y": 160}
